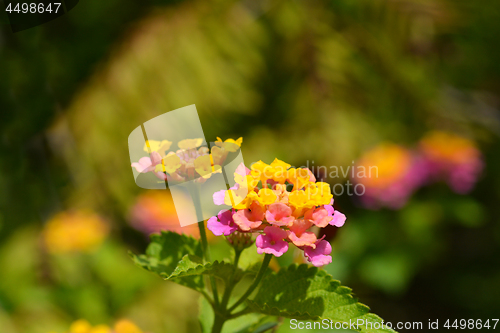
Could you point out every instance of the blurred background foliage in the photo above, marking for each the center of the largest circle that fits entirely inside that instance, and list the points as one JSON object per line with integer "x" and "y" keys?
{"x": 305, "y": 81}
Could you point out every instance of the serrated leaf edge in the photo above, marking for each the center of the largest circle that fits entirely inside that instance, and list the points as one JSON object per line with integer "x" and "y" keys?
{"x": 307, "y": 315}
{"x": 206, "y": 267}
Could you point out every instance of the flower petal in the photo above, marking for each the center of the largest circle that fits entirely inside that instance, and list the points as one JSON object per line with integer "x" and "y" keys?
{"x": 245, "y": 220}
{"x": 320, "y": 255}
{"x": 338, "y": 219}
{"x": 272, "y": 242}
{"x": 222, "y": 224}
{"x": 279, "y": 214}
{"x": 305, "y": 239}
{"x": 319, "y": 216}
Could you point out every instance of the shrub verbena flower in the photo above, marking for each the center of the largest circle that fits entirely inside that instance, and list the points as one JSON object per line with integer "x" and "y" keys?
{"x": 278, "y": 216}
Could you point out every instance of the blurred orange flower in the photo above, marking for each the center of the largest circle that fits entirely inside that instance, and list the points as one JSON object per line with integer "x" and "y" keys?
{"x": 74, "y": 231}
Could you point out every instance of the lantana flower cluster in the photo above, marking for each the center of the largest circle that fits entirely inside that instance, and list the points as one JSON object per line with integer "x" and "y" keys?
{"x": 191, "y": 161}
{"x": 281, "y": 205}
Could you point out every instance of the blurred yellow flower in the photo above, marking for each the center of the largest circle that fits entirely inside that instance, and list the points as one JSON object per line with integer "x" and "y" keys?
{"x": 83, "y": 326}
{"x": 126, "y": 326}
{"x": 74, "y": 231}
{"x": 121, "y": 326}
{"x": 80, "y": 326}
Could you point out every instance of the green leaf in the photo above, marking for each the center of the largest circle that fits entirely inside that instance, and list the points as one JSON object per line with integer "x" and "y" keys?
{"x": 191, "y": 265}
{"x": 165, "y": 253}
{"x": 304, "y": 292}
{"x": 177, "y": 258}
{"x": 250, "y": 258}
{"x": 250, "y": 261}
{"x": 259, "y": 327}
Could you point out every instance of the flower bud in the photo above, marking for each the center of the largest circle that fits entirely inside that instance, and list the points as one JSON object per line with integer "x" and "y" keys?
{"x": 240, "y": 240}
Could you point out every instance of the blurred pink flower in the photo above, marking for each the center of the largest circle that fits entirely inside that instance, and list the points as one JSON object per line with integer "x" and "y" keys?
{"x": 452, "y": 158}
{"x": 390, "y": 174}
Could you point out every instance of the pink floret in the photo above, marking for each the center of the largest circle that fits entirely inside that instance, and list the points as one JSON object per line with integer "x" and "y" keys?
{"x": 319, "y": 256}
{"x": 272, "y": 242}
{"x": 222, "y": 224}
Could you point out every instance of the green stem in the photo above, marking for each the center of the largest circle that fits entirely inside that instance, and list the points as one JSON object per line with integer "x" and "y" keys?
{"x": 218, "y": 323}
{"x": 221, "y": 319}
{"x": 230, "y": 285}
{"x": 204, "y": 241}
{"x": 195, "y": 194}
{"x": 258, "y": 278}
{"x": 220, "y": 309}
{"x": 206, "y": 251}
{"x": 239, "y": 313}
